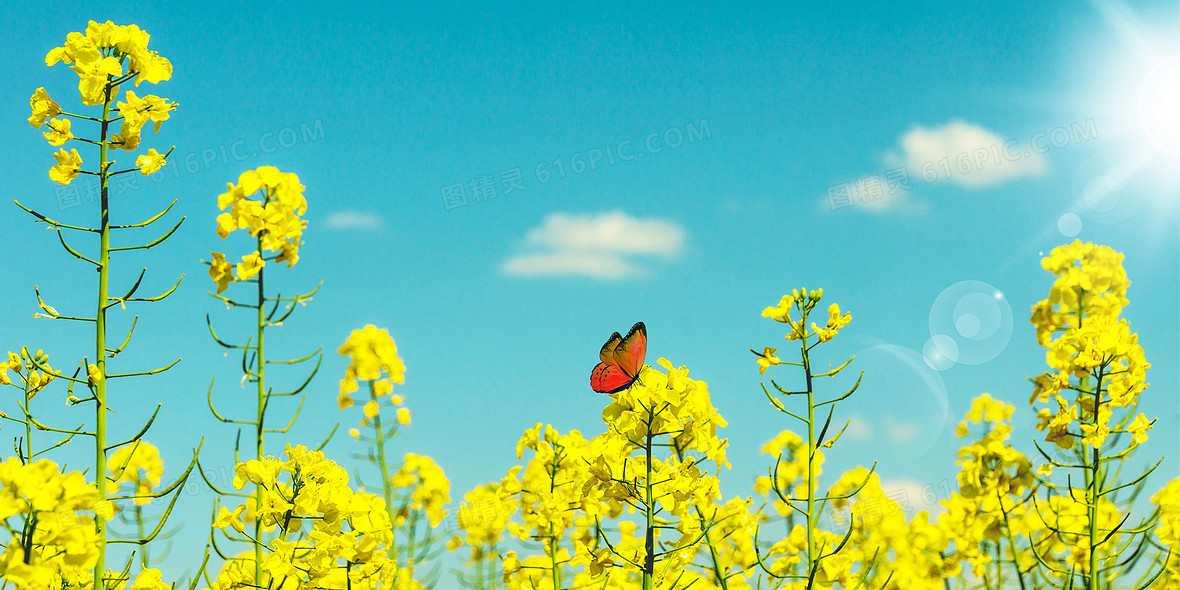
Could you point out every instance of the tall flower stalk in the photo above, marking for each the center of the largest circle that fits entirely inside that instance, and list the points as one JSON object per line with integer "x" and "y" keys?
{"x": 267, "y": 204}
{"x": 414, "y": 492}
{"x": 1098, "y": 372}
{"x": 105, "y": 57}
{"x": 798, "y": 475}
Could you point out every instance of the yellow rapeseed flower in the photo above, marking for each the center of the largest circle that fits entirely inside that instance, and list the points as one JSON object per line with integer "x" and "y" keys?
{"x": 67, "y": 167}
{"x": 150, "y": 162}
{"x": 43, "y": 108}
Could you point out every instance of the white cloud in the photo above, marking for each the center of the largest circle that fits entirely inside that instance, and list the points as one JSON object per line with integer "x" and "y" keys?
{"x": 902, "y": 432}
{"x": 958, "y": 152}
{"x": 858, "y": 428}
{"x": 965, "y": 154}
{"x": 602, "y": 246}
{"x": 598, "y": 265}
{"x": 354, "y": 220}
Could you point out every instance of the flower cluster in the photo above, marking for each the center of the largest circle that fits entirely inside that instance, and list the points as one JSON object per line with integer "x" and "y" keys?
{"x": 803, "y": 301}
{"x": 790, "y": 471}
{"x": 559, "y": 496}
{"x": 483, "y": 517}
{"x": 372, "y": 357}
{"x": 1079, "y": 325}
{"x": 53, "y": 545}
{"x": 430, "y": 490}
{"x": 273, "y": 219}
{"x": 98, "y": 56}
{"x": 994, "y": 481}
{"x": 343, "y": 536}
{"x": 136, "y": 112}
{"x": 22, "y": 366}
{"x": 668, "y": 403}
{"x": 138, "y": 464}
{"x": 1167, "y": 531}
{"x": 882, "y": 545}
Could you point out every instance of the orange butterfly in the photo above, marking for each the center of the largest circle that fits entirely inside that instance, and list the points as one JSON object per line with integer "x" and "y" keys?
{"x": 622, "y": 358}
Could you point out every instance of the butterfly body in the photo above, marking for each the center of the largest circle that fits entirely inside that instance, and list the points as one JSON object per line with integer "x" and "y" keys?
{"x": 621, "y": 359}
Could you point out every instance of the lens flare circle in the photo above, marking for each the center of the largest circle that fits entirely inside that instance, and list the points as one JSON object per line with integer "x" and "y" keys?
{"x": 970, "y": 323}
{"x": 940, "y": 352}
{"x": 1069, "y": 225}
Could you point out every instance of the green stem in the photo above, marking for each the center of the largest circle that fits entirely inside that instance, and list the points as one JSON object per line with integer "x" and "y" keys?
{"x": 260, "y": 364}
{"x": 143, "y": 549}
{"x": 1093, "y": 494}
{"x": 649, "y": 543}
{"x": 554, "y": 567}
{"x": 812, "y": 562}
{"x": 100, "y": 345}
{"x": 718, "y": 575}
{"x": 386, "y": 484}
{"x": 1011, "y": 542}
{"x": 28, "y": 426}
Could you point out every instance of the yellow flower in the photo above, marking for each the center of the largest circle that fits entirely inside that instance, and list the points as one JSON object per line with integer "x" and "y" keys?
{"x": 125, "y": 140}
{"x": 1138, "y": 429}
{"x": 94, "y": 71}
{"x": 767, "y": 360}
{"x": 511, "y": 565}
{"x": 126, "y": 465}
{"x": 779, "y": 313}
{"x": 149, "y": 579}
{"x": 59, "y": 132}
{"x": 221, "y": 271}
{"x": 150, "y": 162}
{"x": 93, "y": 374}
{"x": 250, "y": 266}
{"x": 67, "y": 167}
{"x": 372, "y": 351}
{"x": 76, "y": 45}
{"x": 227, "y": 518}
{"x": 274, "y": 219}
{"x": 371, "y": 409}
{"x": 43, "y": 108}
{"x": 403, "y": 416}
{"x": 987, "y": 408}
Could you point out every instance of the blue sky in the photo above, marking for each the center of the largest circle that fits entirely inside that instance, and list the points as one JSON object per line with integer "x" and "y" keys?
{"x": 801, "y": 127}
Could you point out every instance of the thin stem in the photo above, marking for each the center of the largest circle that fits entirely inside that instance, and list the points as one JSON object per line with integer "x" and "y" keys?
{"x": 28, "y": 425}
{"x": 259, "y": 430}
{"x": 812, "y": 561}
{"x": 100, "y": 348}
{"x": 649, "y": 560}
{"x": 143, "y": 549}
{"x": 386, "y": 484}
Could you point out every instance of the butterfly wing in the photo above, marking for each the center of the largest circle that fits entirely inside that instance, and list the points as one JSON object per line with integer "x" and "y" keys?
{"x": 631, "y": 351}
{"x": 607, "y": 354}
{"x": 609, "y": 378}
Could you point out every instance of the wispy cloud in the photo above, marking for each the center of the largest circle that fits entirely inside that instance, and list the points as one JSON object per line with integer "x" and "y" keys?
{"x": 604, "y": 246}
{"x": 966, "y": 154}
{"x": 958, "y": 153}
{"x": 858, "y": 428}
{"x": 343, "y": 220}
{"x": 902, "y": 432}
